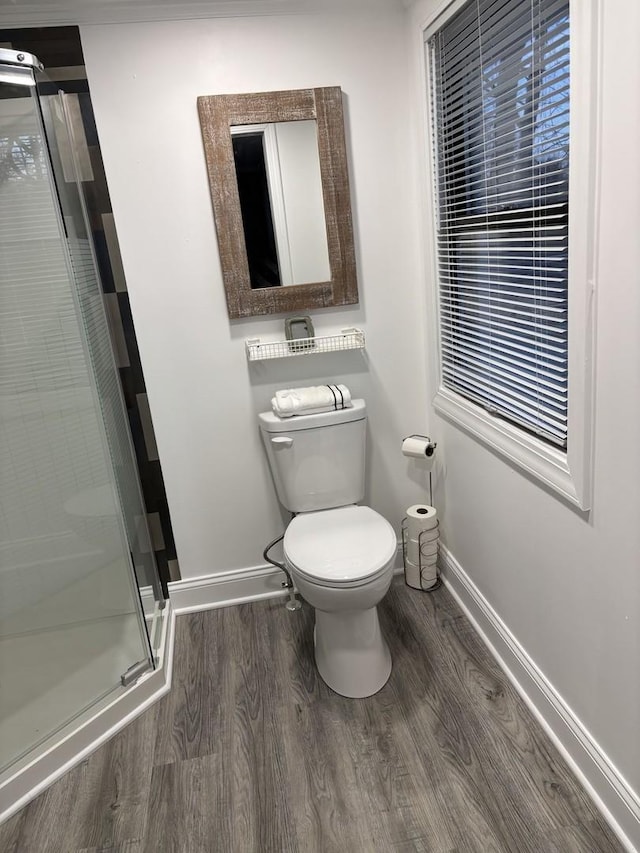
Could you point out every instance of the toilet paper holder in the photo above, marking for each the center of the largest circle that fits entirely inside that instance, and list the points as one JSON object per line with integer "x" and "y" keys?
{"x": 430, "y": 447}
{"x": 438, "y": 581}
{"x": 429, "y": 450}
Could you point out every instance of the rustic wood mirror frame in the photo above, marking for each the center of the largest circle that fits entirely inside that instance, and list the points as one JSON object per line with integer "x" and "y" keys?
{"x": 218, "y": 113}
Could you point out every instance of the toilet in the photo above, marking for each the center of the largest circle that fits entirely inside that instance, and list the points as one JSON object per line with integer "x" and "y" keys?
{"x": 340, "y": 554}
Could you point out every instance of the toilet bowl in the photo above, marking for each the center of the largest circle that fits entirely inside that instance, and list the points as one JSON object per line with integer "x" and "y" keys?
{"x": 340, "y": 554}
{"x": 342, "y": 562}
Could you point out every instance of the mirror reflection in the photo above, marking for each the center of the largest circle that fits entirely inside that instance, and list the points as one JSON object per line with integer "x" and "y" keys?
{"x": 277, "y": 167}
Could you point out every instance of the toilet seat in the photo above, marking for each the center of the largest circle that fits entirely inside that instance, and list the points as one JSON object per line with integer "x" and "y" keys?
{"x": 344, "y": 547}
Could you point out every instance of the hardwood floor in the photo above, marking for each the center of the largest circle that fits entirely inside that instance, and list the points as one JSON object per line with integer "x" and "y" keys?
{"x": 252, "y": 753}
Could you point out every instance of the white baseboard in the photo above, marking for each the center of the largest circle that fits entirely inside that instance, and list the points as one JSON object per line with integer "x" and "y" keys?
{"x": 238, "y": 586}
{"x": 26, "y": 781}
{"x": 615, "y": 799}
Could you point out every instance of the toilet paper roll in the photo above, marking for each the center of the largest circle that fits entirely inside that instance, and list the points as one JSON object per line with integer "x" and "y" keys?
{"x": 428, "y": 549}
{"x": 426, "y": 536}
{"x": 429, "y": 576}
{"x": 420, "y": 581}
{"x": 420, "y": 517}
{"x": 424, "y": 562}
{"x": 412, "y": 575}
{"x": 419, "y": 448}
{"x": 415, "y": 550}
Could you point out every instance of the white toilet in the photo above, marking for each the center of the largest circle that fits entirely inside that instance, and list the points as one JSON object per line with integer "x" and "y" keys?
{"x": 340, "y": 555}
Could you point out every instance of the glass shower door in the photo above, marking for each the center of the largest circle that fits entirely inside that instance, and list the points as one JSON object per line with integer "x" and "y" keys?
{"x": 68, "y": 177}
{"x": 71, "y": 623}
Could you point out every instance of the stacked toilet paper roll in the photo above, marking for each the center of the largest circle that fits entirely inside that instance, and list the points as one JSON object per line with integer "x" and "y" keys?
{"x": 421, "y": 546}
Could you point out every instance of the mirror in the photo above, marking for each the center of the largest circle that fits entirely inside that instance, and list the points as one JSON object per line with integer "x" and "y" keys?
{"x": 280, "y": 190}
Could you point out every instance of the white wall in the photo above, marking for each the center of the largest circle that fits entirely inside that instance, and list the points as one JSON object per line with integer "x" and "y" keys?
{"x": 566, "y": 583}
{"x": 144, "y": 80}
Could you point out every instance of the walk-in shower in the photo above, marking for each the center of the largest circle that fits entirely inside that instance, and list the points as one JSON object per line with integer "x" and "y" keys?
{"x": 80, "y": 601}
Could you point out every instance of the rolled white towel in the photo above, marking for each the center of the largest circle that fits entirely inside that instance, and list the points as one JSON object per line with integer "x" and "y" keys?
{"x": 311, "y": 400}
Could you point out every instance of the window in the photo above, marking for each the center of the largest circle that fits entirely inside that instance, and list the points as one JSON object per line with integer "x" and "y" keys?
{"x": 500, "y": 73}
{"x": 515, "y": 270}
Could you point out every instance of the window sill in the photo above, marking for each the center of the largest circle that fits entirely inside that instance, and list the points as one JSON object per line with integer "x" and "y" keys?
{"x": 547, "y": 464}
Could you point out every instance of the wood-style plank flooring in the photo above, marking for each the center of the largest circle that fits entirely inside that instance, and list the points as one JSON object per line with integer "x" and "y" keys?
{"x": 252, "y": 753}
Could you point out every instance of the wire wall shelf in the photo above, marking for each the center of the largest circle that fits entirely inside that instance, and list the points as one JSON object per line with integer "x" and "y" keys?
{"x": 347, "y": 339}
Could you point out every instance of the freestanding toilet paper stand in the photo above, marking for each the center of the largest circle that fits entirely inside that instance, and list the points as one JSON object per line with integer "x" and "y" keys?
{"x": 438, "y": 581}
{"x": 420, "y": 445}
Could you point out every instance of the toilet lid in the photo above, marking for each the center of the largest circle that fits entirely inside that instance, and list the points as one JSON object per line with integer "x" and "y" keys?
{"x": 340, "y": 546}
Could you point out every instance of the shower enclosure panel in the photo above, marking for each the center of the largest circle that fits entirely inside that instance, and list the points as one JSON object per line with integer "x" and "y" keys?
{"x": 72, "y": 523}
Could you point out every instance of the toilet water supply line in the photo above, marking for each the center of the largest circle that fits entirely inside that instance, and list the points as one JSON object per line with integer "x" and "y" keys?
{"x": 293, "y": 603}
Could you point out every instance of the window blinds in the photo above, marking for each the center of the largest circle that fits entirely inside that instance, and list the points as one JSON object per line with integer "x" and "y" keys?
{"x": 500, "y": 72}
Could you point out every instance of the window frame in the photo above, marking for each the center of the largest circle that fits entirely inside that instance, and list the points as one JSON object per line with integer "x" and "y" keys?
{"x": 567, "y": 473}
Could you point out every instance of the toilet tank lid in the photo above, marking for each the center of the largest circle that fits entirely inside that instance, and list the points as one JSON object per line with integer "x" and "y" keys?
{"x": 270, "y": 422}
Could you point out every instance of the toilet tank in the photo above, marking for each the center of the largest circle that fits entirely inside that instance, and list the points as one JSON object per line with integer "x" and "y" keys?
{"x": 317, "y": 461}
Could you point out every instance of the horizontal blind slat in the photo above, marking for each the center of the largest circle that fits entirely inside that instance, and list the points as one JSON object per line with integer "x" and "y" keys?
{"x": 470, "y": 76}
{"x": 461, "y": 95}
{"x": 535, "y": 380}
{"x": 475, "y": 344}
{"x": 498, "y": 29}
{"x": 554, "y": 433}
{"x": 553, "y": 348}
{"x": 494, "y": 26}
{"x": 507, "y": 395}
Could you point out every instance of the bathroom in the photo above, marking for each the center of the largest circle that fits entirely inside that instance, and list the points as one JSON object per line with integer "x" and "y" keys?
{"x": 554, "y": 589}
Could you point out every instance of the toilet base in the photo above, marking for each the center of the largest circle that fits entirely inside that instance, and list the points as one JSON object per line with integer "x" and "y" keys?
{"x": 351, "y": 654}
